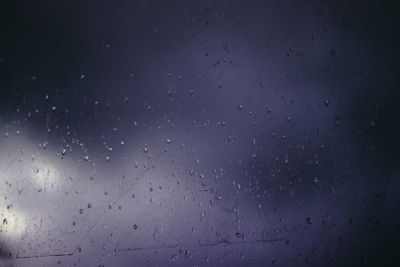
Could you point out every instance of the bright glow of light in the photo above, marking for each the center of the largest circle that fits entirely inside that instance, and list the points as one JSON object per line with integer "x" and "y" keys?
{"x": 12, "y": 223}
{"x": 44, "y": 175}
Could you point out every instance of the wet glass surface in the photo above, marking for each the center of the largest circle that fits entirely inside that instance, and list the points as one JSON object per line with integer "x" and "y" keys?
{"x": 199, "y": 133}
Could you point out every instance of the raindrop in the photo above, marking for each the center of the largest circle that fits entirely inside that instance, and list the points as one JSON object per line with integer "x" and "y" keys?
{"x": 187, "y": 253}
{"x": 372, "y": 123}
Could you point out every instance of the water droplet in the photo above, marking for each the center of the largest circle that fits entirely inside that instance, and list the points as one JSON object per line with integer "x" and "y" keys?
{"x": 187, "y": 253}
